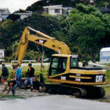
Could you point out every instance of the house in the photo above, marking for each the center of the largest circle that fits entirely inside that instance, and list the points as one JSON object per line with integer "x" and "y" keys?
{"x": 4, "y": 13}
{"x": 2, "y": 53}
{"x": 89, "y": 1}
{"x": 53, "y": 9}
{"x": 24, "y": 14}
{"x": 56, "y": 9}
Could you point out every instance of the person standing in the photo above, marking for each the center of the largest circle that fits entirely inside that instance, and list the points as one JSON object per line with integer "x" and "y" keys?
{"x": 5, "y": 72}
{"x": 18, "y": 80}
{"x": 29, "y": 75}
{"x": 18, "y": 75}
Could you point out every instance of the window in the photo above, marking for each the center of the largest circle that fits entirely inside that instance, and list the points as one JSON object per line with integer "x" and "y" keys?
{"x": 55, "y": 63}
{"x": 46, "y": 10}
{"x": 58, "y": 65}
{"x": 91, "y": 1}
{"x": 1, "y": 55}
{"x": 74, "y": 62}
{"x": 57, "y": 10}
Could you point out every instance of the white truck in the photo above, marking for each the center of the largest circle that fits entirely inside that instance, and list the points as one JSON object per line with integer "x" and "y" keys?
{"x": 105, "y": 55}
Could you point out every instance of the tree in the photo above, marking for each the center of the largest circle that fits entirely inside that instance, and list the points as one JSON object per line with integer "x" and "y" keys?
{"x": 13, "y": 17}
{"x": 7, "y": 24}
{"x": 20, "y": 11}
{"x": 85, "y": 26}
{"x": 11, "y": 31}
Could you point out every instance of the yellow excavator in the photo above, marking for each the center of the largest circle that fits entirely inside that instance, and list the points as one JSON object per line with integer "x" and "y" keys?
{"x": 64, "y": 68}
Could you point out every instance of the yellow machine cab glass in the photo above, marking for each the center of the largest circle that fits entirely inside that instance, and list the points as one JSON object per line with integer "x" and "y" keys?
{"x": 58, "y": 65}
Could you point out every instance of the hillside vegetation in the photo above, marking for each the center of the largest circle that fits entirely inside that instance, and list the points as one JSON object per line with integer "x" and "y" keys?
{"x": 85, "y": 30}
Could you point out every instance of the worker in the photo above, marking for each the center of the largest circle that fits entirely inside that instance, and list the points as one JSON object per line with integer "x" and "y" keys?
{"x": 29, "y": 75}
{"x": 11, "y": 85}
{"x": 5, "y": 72}
{"x": 37, "y": 86}
{"x": 18, "y": 75}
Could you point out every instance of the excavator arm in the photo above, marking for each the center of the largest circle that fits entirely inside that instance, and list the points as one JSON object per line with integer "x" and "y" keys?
{"x": 41, "y": 39}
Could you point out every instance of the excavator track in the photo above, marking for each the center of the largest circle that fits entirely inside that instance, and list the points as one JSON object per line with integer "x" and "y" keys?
{"x": 77, "y": 91}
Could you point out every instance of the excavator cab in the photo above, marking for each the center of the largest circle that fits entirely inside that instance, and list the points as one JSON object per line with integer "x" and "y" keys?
{"x": 65, "y": 69}
{"x": 58, "y": 65}
{"x": 61, "y": 63}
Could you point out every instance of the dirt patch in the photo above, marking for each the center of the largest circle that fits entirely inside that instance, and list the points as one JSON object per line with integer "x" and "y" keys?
{"x": 21, "y": 94}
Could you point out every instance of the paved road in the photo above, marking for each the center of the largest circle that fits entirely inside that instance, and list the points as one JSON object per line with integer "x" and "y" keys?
{"x": 53, "y": 102}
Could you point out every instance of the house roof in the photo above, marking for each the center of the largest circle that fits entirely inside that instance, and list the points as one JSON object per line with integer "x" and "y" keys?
{"x": 58, "y": 7}
{"x": 24, "y": 13}
{"x": 4, "y": 11}
{"x": 105, "y": 49}
{"x": 53, "y": 6}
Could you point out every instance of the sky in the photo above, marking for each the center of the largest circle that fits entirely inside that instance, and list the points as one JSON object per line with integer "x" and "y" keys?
{"x": 14, "y": 5}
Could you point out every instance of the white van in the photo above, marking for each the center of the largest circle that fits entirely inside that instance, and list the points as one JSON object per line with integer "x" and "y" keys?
{"x": 105, "y": 55}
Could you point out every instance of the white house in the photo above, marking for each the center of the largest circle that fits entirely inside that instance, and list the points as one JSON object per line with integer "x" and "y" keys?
{"x": 4, "y": 13}
{"x": 2, "y": 53}
{"x": 89, "y": 1}
{"x": 53, "y": 10}
{"x": 105, "y": 55}
{"x": 56, "y": 9}
{"x": 24, "y": 14}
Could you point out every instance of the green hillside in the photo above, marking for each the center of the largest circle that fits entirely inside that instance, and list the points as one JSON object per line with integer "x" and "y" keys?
{"x": 85, "y": 30}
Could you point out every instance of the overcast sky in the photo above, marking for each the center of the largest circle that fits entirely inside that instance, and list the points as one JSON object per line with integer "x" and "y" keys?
{"x": 14, "y": 5}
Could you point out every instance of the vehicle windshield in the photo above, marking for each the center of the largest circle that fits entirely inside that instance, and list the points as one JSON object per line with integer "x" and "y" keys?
{"x": 58, "y": 65}
{"x": 74, "y": 63}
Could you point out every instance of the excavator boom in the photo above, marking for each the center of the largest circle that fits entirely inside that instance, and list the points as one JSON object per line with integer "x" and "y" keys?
{"x": 41, "y": 39}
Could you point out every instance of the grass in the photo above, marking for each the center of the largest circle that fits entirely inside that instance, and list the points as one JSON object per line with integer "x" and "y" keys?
{"x": 108, "y": 76}
{"x": 37, "y": 71}
{"x": 107, "y": 89}
{"x": 11, "y": 96}
{"x": 107, "y": 72}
